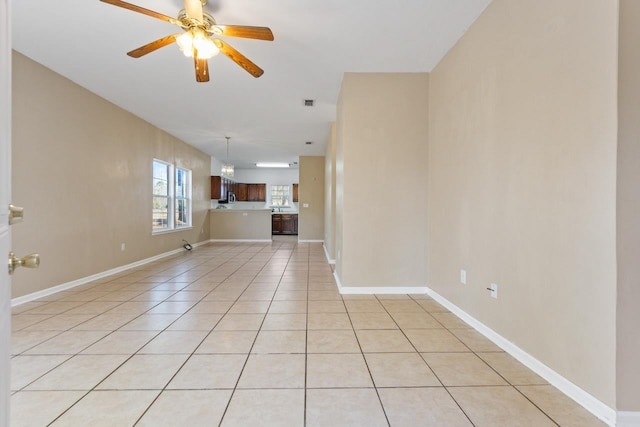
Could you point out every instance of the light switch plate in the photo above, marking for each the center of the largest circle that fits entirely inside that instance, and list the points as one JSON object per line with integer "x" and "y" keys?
{"x": 463, "y": 277}
{"x": 305, "y": 205}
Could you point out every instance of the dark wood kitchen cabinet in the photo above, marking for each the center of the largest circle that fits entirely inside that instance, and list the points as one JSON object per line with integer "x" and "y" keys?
{"x": 276, "y": 224}
{"x": 216, "y": 187}
{"x": 220, "y": 187}
{"x": 284, "y": 224}
{"x": 289, "y": 223}
{"x": 257, "y": 192}
{"x": 241, "y": 192}
{"x": 295, "y": 192}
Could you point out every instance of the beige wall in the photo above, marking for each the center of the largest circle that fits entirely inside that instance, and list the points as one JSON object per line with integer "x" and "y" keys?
{"x": 522, "y": 179}
{"x": 311, "y": 193}
{"x": 82, "y": 171}
{"x": 339, "y": 177}
{"x": 240, "y": 225}
{"x": 628, "y": 208}
{"x": 381, "y": 170}
{"x": 330, "y": 195}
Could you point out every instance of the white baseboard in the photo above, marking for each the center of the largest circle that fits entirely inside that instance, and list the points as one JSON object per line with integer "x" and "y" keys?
{"x": 628, "y": 419}
{"x": 64, "y": 286}
{"x": 326, "y": 254}
{"x": 240, "y": 240}
{"x": 379, "y": 290}
{"x": 310, "y": 241}
{"x": 590, "y": 403}
{"x": 371, "y": 290}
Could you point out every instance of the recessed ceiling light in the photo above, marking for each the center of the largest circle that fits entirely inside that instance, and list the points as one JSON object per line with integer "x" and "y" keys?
{"x": 308, "y": 102}
{"x": 272, "y": 165}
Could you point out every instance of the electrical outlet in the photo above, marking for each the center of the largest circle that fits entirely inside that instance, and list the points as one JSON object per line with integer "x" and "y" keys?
{"x": 305, "y": 205}
{"x": 122, "y": 246}
{"x": 463, "y": 277}
{"x": 494, "y": 290}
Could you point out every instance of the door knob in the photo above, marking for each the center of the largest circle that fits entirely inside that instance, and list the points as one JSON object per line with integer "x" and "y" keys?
{"x": 29, "y": 261}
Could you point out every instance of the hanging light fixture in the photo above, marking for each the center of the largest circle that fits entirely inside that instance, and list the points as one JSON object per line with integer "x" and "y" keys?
{"x": 227, "y": 168}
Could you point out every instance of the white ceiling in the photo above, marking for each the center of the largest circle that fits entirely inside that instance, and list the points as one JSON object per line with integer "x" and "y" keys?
{"x": 315, "y": 43}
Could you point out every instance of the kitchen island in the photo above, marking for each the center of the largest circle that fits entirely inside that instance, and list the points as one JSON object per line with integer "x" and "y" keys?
{"x": 248, "y": 225}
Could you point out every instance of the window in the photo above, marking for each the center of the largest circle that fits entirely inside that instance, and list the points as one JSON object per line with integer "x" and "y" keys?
{"x": 161, "y": 196}
{"x": 280, "y": 195}
{"x": 171, "y": 197}
{"x": 183, "y": 198}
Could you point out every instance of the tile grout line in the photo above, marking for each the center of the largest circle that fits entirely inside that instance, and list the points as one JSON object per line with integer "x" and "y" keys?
{"x": 125, "y": 361}
{"x": 201, "y": 341}
{"x": 422, "y": 357}
{"x": 219, "y": 320}
{"x": 306, "y": 344}
{"x": 373, "y": 383}
{"x": 509, "y": 384}
{"x": 256, "y": 337}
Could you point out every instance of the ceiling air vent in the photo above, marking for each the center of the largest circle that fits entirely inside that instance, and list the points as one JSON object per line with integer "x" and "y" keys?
{"x": 308, "y": 102}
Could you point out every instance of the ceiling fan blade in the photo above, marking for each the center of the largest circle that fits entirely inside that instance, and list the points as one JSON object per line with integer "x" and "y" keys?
{"x": 260, "y": 33}
{"x": 154, "y": 45}
{"x": 239, "y": 58}
{"x": 142, "y": 10}
{"x": 194, "y": 9}
{"x": 202, "y": 69}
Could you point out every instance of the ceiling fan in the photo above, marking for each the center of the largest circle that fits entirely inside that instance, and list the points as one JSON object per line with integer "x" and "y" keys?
{"x": 198, "y": 39}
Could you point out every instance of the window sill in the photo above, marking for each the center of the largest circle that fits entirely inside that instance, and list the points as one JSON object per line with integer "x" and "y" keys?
{"x": 173, "y": 230}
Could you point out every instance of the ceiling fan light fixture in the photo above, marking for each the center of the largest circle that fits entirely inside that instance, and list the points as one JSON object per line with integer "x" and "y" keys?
{"x": 185, "y": 43}
{"x": 198, "y": 25}
{"x": 204, "y": 46}
{"x": 196, "y": 41}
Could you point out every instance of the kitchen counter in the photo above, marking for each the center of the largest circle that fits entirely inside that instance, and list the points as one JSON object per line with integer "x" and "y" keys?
{"x": 284, "y": 212}
{"x": 240, "y": 224}
{"x": 239, "y": 210}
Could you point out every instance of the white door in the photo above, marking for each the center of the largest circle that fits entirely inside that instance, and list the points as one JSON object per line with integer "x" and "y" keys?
{"x": 5, "y": 194}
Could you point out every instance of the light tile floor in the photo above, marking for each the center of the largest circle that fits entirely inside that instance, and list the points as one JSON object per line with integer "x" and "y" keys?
{"x": 258, "y": 335}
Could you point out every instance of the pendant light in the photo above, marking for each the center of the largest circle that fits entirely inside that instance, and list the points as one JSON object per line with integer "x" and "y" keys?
{"x": 227, "y": 168}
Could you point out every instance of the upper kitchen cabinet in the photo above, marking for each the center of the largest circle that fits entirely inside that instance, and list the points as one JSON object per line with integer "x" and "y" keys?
{"x": 220, "y": 187}
{"x": 295, "y": 192}
{"x": 257, "y": 192}
{"x": 216, "y": 187}
{"x": 241, "y": 192}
